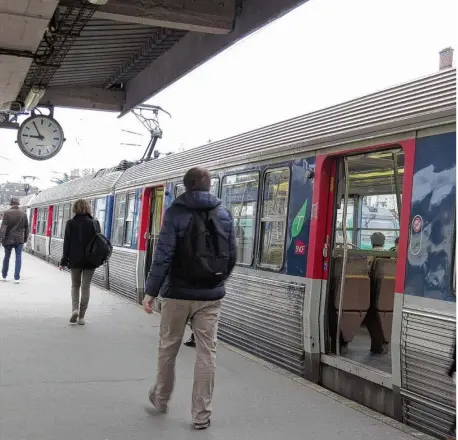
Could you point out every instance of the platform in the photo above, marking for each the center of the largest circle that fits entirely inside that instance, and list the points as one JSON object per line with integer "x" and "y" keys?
{"x": 59, "y": 381}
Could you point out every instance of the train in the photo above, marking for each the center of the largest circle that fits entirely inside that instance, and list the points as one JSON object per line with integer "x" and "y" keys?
{"x": 309, "y": 293}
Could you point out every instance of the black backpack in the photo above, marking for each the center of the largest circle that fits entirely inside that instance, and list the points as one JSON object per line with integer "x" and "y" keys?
{"x": 203, "y": 251}
{"x": 99, "y": 249}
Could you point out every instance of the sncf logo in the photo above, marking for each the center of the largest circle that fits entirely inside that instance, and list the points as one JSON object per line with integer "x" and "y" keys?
{"x": 299, "y": 247}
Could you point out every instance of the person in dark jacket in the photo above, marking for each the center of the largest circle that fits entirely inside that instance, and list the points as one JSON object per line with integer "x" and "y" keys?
{"x": 79, "y": 232}
{"x": 14, "y": 232}
{"x": 182, "y": 302}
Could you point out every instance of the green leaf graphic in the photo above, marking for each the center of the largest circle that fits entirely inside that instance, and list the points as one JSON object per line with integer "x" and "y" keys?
{"x": 299, "y": 220}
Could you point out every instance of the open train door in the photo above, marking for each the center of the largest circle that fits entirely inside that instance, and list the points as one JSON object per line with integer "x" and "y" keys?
{"x": 155, "y": 222}
{"x": 360, "y": 310}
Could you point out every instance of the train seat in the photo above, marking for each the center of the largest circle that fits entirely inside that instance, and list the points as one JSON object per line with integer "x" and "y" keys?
{"x": 356, "y": 299}
{"x": 380, "y": 315}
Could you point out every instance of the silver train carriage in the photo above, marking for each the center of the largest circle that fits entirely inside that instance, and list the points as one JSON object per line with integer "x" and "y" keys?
{"x": 52, "y": 208}
{"x": 309, "y": 292}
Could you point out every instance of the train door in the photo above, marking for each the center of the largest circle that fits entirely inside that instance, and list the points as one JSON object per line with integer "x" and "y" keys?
{"x": 155, "y": 221}
{"x": 360, "y": 254}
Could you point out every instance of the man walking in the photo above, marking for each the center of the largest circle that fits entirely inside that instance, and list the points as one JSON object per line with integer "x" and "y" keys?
{"x": 14, "y": 232}
{"x": 196, "y": 252}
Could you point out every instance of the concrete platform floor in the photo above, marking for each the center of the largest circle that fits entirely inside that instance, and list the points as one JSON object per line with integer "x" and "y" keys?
{"x": 59, "y": 381}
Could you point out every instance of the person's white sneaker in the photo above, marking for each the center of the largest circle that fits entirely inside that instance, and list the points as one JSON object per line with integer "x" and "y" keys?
{"x": 81, "y": 321}
{"x": 4, "y": 279}
{"x": 74, "y": 317}
{"x": 16, "y": 281}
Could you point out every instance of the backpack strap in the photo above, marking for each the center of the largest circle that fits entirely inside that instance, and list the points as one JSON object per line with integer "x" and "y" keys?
{"x": 94, "y": 225}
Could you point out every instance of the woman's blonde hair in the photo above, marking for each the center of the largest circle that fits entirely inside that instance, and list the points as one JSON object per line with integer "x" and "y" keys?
{"x": 82, "y": 207}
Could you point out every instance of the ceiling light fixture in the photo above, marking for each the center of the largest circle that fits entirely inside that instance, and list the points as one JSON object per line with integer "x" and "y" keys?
{"x": 33, "y": 97}
{"x": 97, "y": 2}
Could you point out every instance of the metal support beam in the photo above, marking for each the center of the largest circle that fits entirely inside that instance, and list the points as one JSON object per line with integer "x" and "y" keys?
{"x": 207, "y": 16}
{"x": 16, "y": 53}
{"x": 194, "y": 49}
{"x": 9, "y": 125}
{"x": 90, "y": 98}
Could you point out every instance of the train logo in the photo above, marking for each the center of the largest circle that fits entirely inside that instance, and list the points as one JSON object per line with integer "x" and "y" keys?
{"x": 299, "y": 247}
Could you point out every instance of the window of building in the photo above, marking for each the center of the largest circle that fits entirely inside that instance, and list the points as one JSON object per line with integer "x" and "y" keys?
{"x": 240, "y": 196}
{"x": 274, "y": 218}
{"x": 100, "y": 209}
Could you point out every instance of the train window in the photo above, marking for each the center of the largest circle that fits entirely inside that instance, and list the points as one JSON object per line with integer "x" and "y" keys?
{"x": 339, "y": 227}
{"x": 67, "y": 210}
{"x": 179, "y": 189}
{"x": 274, "y": 218}
{"x": 119, "y": 219}
{"x": 214, "y": 188}
{"x": 55, "y": 220}
{"x": 100, "y": 208}
{"x": 41, "y": 221}
{"x": 379, "y": 213}
{"x": 240, "y": 196}
{"x": 60, "y": 219}
{"x": 129, "y": 220}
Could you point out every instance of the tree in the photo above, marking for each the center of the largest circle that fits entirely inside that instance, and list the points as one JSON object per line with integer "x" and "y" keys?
{"x": 60, "y": 180}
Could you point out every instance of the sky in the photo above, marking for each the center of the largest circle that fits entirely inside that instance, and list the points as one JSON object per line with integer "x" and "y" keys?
{"x": 323, "y": 53}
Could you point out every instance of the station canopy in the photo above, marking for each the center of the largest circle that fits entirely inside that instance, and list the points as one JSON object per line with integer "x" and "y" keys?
{"x": 114, "y": 54}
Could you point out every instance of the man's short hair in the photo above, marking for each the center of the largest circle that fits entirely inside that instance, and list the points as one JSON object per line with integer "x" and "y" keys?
{"x": 197, "y": 179}
{"x": 378, "y": 239}
{"x": 14, "y": 201}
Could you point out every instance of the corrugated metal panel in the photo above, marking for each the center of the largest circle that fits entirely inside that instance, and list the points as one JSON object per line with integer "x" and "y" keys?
{"x": 424, "y": 99}
{"x": 87, "y": 186}
{"x": 122, "y": 273}
{"x": 56, "y": 250}
{"x": 55, "y": 254}
{"x": 264, "y": 316}
{"x": 40, "y": 245}
{"x": 426, "y": 355}
{"x": 100, "y": 276}
{"x": 106, "y": 49}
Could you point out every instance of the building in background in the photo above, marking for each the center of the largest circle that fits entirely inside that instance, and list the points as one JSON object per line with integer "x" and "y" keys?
{"x": 15, "y": 189}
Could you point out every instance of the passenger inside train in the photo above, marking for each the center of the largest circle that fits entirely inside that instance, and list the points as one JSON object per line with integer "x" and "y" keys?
{"x": 363, "y": 267}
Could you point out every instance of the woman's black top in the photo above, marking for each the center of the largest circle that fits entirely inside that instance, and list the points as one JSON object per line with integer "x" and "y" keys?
{"x": 80, "y": 230}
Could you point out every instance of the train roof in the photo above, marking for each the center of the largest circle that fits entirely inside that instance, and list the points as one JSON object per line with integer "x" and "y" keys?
{"x": 99, "y": 183}
{"x": 420, "y": 103}
{"x": 26, "y": 201}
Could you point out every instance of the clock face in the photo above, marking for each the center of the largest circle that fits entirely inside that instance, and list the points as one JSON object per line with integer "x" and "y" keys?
{"x": 40, "y": 137}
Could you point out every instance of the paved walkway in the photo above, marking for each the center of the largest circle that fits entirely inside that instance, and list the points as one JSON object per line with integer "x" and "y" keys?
{"x": 67, "y": 382}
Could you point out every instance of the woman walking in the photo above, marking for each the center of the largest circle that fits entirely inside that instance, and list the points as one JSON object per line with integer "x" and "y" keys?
{"x": 79, "y": 232}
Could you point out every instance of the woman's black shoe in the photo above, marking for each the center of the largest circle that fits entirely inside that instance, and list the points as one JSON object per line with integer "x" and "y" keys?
{"x": 191, "y": 341}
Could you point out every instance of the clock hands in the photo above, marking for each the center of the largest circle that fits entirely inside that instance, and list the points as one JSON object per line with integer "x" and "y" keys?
{"x": 40, "y": 136}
